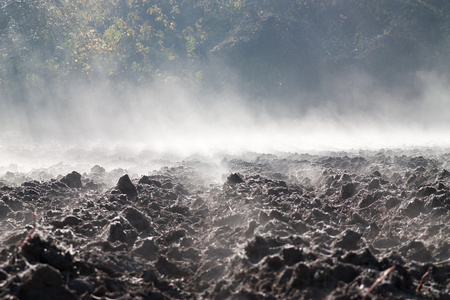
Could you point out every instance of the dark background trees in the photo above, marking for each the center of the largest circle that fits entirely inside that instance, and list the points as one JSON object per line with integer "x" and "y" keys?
{"x": 272, "y": 46}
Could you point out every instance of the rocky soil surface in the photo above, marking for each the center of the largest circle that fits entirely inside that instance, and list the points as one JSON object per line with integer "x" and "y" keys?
{"x": 365, "y": 225}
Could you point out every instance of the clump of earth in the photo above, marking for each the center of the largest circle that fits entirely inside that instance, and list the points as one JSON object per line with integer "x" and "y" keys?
{"x": 366, "y": 225}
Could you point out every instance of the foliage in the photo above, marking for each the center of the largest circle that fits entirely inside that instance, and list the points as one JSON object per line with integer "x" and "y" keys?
{"x": 273, "y": 45}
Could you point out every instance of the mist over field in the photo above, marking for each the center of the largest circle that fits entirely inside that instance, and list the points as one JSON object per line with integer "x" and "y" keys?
{"x": 227, "y": 149}
{"x": 220, "y": 77}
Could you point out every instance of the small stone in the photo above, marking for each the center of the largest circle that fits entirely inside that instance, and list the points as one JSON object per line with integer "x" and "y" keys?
{"x": 360, "y": 258}
{"x": 44, "y": 282}
{"x": 146, "y": 180}
{"x": 4, "y": 210}
{"x": 122, "y": 231}
{"x": 91, "y": 186}
{"x": 258, "y": 248}
{"x": 391, "y": 202}
{"x": 346, "y": 178}
{"x": 374, "y": 184}
{"x": 97, "y": 170}
{"x": 169, "y": 269}
{"x": 348, "y": 190}
{"x": 167, "y": 185}
{"x": 320, "y": 215}
{"x": 426, "y": 191}
{"x": 374, "y": 231}
{"x": 414, "y": 208}
{"x": 292, "y": 255}
{"x": 80, "y": 286}
{"x": 300, "y": 227}
{"x": 116, "y": 232}
{"x": 302, "y": 276}
{"x": 444, "y": 174}
{"x": 358, "y": 219}
{"x": 175, "y": 235}
{"x": 274, "y": 262}
{"x": 72, "y": 180}
{"x": 376, "y": 174}
{"x": 348, "y": 240}
{"x": 125, "y": 186}
{"x": 370, "y": 199}
{"x": 147, "y": 249}
{"x": 150, "y": 276}
{"x": 346, "y": 272}
{"x": 234, "y": 179}
{"x": 71, "y": 221}
{"x": 137, "y": 219}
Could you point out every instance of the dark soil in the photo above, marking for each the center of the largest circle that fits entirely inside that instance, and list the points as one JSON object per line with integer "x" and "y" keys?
{"x": 371, "y": 225}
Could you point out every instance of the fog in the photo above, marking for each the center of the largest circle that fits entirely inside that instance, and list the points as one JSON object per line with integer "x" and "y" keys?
{"x": 143, "y": 141}
{"x": 289, "y": 77}
{"x": 98, "y": 124}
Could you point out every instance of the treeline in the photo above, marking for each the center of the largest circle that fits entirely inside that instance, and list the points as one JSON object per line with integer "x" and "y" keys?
{"x": 269, "y": 45}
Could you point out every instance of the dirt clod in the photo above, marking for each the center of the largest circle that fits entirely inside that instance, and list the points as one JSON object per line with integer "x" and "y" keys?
{"x": 294, "y": 226}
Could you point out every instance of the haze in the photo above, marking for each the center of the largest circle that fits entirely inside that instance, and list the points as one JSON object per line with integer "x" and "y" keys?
{"x": 115, "y": 81}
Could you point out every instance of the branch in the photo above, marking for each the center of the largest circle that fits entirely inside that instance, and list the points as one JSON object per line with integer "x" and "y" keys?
{"x": 380, "y": 279}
